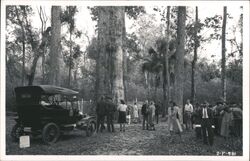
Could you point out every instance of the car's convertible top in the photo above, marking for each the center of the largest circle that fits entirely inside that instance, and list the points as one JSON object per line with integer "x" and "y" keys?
{"x": 45, "y": 89}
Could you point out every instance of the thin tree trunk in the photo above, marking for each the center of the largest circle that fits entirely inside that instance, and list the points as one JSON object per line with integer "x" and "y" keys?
{"x": 70, "y": 59}
{"x": 55, "y": 46}
{"x": 125, "y": 61}
{"x": 180, "y": 50}
{"x": 223, "y": 60}
{"x": 193, "y": 90}
{"x": 23, "y": 45}
{"x": 166, "y": 82}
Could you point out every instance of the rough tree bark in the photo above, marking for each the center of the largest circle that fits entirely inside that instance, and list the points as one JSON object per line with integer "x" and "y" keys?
{"x": 193, "y": 90}
{"x": 55, "y": 46}
{"x": 101, "y": 84}
{"x": 117, "y": 31}
{"x": 223, "y": 53}
{"x": 180, "y": 50}
{"x": 166, "y": 82}
{"x": 109, "y": 62}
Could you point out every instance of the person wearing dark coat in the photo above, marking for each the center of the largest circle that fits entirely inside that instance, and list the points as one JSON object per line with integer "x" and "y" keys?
{"x": 206, "y": 115}
{"x": 100, "y": 112}
{"x": 157, "y": 110}
{"x": 144, "y": 112}
{"x": 111, "y": 108}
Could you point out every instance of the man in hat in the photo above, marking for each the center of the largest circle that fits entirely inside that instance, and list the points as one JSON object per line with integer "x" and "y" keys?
{"x": 100, "y": 112}
{"x": 144, "y": 112}
{"x": 111, "y": 108}
{"x": 206, "y": 116}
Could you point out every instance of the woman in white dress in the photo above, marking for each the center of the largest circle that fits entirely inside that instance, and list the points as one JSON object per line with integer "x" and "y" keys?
{"x": 135, "y": 112}
{"x": 174, "y": 125}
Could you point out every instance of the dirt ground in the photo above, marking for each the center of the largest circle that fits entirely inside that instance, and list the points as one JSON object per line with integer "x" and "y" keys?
{"x": 134, "y": 141}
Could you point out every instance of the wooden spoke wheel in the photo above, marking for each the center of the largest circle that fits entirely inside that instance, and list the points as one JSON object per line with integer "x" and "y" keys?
{"x": 50, "y": 133}
{"x": 16, "y": 132}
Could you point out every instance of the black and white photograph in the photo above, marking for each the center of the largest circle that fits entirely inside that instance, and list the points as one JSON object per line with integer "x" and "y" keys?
{"x": 124, "y": 80}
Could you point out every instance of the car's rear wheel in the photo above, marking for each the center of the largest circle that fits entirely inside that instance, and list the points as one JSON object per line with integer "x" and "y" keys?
{"x": 50, "y": 133}
{"x": 91, "y": 127}
{"x": 16, "y": 132}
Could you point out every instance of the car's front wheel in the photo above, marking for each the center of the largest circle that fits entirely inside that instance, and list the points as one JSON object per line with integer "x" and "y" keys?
{"x": 16, "y": 132}
{"x": 50, "y": 133}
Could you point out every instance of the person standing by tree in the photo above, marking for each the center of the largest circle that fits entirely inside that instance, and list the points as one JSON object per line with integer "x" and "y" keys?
{"x": 151, "y": 116}
{"x": 110, "y": 113}
{"x": 100, "y": 112}
{"x": 174, "y": 120}
{"x": 157, "y": 110}
{"x": 206, "y": 116}
{"x": 122, "y": 108}
{"x": 188, "y": 110}
{"x": 135, "y": 112}
{"x": 227, "y": 120}
{"x": 144, "y": 112}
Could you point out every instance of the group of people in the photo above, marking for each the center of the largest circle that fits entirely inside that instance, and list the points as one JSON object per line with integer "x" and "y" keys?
{"x": 106, "y": 108}
{"x": 222, "y": 119}
{"x": 209, "y": 119}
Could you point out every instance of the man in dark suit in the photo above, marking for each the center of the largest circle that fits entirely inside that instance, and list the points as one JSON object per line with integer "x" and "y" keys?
{"x": 100, "y": 112}
{"x": 144, "y": 112}
{"x": 111, "y": 108}
{"x": 206, "y": 116}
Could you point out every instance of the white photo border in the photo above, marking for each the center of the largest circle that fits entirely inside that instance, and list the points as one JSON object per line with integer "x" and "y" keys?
{"x": 246, "y": 60}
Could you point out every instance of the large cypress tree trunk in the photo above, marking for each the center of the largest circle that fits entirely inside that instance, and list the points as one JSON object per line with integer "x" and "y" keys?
{"x": 180, "y": 50}
{"x": 55, "y": 46}
{"x": 101, "y": 84}
{"x": 223, "y": 53}
{"x": 166, "y": 82}
{"x": 196, "y": 43}
{"x": 117, "y": 31}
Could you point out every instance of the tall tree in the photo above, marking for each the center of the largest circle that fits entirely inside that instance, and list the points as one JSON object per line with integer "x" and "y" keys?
{"x": 193, "y": 90}
{"x": 223, "y": 54}
{"x": 180, "y": 50}
{"x": 117, "y": 21}
{"x": 55, "y": 46}
{"x": 166, "y": 80}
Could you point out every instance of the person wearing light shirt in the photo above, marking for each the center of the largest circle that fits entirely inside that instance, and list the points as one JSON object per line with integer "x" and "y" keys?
{"x": 122, "y": 108}
{"x": 188, "y": 110}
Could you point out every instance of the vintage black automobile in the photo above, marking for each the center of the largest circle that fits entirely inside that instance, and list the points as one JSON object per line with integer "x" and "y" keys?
{"x": 49, "y": 111}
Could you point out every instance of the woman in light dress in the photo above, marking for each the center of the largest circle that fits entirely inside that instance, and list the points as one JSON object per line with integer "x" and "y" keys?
{"x": 227, "y": 120}
{"x": 174, "y": 125}
{"x": 135, "y": 112}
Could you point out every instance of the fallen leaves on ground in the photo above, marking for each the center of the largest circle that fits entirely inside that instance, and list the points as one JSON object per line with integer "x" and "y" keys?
{"x": 134, "y": 141}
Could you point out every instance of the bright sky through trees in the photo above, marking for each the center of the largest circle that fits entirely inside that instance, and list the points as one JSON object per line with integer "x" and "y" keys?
{"x": 210, "y": 51}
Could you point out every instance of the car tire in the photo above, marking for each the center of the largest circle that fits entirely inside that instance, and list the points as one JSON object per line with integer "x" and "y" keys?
{"x": 91, "y": 127}
{"x": 16, "y": 132}
{"x": 50, "y": 133}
